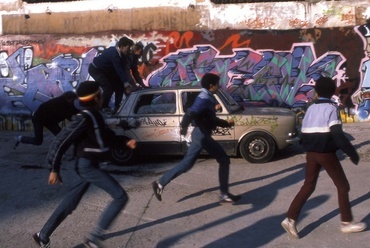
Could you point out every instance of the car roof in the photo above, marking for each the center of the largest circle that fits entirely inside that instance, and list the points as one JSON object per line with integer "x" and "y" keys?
{"x": 181, "y": 87}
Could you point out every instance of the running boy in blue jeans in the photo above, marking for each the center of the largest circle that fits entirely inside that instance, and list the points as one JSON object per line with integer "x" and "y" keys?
{"x": 92, "y": 139}
{"x": 203, "y": 115}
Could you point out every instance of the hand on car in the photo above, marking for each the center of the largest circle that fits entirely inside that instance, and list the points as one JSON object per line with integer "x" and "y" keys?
{"x": 218, "y": 108}
{"x": 131, "y": 144}
{"x": 231, "y": 122}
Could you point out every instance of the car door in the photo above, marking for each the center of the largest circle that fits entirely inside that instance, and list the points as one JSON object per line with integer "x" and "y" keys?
{"x": 225, "y": 136}
{"x": 159, "y": 116}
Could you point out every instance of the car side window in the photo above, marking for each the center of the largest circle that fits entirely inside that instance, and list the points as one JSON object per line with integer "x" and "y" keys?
{"x": 158, "y": 103}
{"x": 188, "y": 99}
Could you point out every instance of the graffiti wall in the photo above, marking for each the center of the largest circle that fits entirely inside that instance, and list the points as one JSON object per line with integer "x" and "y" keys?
{"x": 277, "y": 68}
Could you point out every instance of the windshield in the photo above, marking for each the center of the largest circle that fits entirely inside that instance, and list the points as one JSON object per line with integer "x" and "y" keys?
{"x": 228, "y": 100}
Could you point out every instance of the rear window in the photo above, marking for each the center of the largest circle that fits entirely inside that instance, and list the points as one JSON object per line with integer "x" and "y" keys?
{"x": 158, "y": 103}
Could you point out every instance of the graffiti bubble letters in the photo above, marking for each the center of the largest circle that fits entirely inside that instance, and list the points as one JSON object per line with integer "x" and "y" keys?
{"x": 221, "y": 131}
{"x": 149, "y": 122}
{"x": 257, "y": 121}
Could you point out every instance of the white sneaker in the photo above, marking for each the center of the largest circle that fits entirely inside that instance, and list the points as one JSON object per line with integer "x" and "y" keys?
{"x": 290, "y": 228}
{"x": 352, "y": 227}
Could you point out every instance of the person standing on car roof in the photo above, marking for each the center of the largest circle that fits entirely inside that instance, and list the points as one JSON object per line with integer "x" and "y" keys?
{"x": 108, "y": 70}
{"x": 322, "y": 136}
{"x": 93, "y": 139}
{"x": 130, "y": 65}
{"x": 203, "y": 115}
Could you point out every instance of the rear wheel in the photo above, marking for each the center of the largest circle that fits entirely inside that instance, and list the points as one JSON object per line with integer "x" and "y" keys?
{"x": 122, "y": 155}
{"x": 257, "y": 147}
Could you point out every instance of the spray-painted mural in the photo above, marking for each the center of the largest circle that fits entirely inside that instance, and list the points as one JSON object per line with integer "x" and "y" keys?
{"x": 275, "y": 68}
{"x": 363, "y": 94}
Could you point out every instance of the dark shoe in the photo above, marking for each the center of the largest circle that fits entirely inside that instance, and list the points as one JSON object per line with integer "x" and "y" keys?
{"x": 17, "y": 141}
{"x": 36, "y": 238}
{"x": 158, "y": 190}
{"x": 229, "y": 198}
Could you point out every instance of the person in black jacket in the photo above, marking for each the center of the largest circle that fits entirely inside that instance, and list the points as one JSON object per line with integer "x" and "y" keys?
{"x": 203, "y": 115}
{"x": 133, "y": 62}
{"x": 93, "y": 139}
{"x": 49, "y": 114}
{"x": 108, "y": 70}
{"x": 322, "y": 136}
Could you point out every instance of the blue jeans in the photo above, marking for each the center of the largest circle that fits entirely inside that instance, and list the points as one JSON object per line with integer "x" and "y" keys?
{"x": 89, "y": 173}
{"x": 201, "y": 141}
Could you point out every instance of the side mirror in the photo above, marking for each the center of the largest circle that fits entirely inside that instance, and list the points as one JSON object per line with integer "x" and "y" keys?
{"x": 129, "y": 124}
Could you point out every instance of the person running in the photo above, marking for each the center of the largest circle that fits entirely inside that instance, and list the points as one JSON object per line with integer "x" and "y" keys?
{"x": 92, "y": 139}
{"x": 49, "y": 114}
{"x": 322, "y": 136}
{"x": 203, "y": 115}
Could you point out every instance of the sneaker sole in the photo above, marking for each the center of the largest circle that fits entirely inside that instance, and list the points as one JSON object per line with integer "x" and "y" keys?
{"x": 231, "y": 201}
{"x": 155, "y": 186}
{"x": 354, "y": 231}
{"x": 36, "y": 238}
{"x": 289, "y": 232}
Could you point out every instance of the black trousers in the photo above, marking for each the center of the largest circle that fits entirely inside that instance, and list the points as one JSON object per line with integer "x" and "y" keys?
{"x": 110, "y": 83}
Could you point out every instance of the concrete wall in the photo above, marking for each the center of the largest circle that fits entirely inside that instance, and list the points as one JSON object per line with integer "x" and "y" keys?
{"x": 262, "y": 51}
{"x": 90, "y": 16}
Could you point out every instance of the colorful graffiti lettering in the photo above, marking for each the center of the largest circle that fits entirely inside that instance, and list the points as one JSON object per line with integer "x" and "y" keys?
{"x": 277, "y": 78}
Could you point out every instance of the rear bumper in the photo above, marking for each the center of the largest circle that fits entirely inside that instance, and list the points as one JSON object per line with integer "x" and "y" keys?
{"x": 294, "y": 140}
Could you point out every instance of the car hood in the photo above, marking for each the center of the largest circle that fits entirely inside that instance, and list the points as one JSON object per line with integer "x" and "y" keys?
{"x": 268, "y": 111}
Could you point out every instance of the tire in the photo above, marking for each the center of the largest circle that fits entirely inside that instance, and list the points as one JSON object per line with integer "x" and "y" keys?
{"x": 257, "y": 147}
{"x": 123, "y": 156}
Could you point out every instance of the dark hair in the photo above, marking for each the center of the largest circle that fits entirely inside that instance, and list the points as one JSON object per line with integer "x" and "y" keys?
{"x": 124, "y": 41}
{"x": 69, "y": 96}
{"x": 325, "y": 87}
{"x": 209, "y": 79}
{"x": 139, "y": 46}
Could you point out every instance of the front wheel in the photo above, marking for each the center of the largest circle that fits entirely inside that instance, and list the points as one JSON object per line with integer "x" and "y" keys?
{"x": 257, "y": 147}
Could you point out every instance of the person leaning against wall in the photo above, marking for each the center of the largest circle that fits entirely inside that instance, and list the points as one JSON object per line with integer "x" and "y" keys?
{"x": 49, "y": 114}
{"x": 322, "y": 136}
{"x": 105, "y": 68}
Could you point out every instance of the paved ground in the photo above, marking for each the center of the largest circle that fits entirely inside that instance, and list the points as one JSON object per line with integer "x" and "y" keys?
{"x": 189, "y": 215}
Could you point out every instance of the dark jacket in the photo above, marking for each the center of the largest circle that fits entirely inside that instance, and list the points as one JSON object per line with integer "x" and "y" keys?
{"x": 55, "y": 110}
{"x": 203, "y": 114}
{"x": 130, "y": 65}
{"x": 110, "y": 61}
{"x": 90, "y": 135}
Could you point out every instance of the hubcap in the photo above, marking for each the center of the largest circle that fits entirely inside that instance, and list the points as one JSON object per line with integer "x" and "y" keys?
{"x": 257, "y": 148}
